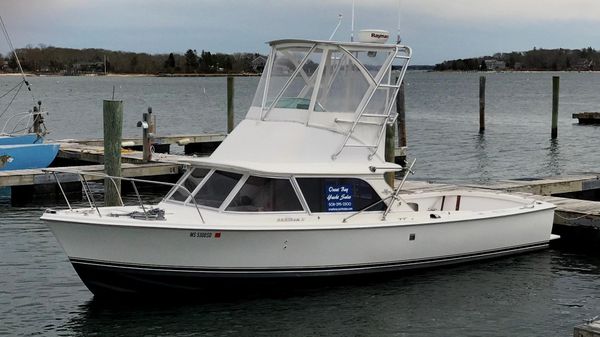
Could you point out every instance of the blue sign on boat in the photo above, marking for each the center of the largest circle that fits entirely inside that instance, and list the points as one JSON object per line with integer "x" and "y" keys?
{"x": 338, "y": 198}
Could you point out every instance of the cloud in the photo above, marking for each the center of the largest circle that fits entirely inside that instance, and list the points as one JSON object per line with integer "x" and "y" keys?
{"x": 505, "y": 10}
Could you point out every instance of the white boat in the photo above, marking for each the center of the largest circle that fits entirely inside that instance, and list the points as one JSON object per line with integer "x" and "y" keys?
{"x": 296, "y": 191}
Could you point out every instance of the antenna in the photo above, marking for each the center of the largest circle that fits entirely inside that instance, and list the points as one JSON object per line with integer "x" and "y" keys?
{"x": 352, "y": 29}
{"x": 399, "y": 14}
{"x": 336, "y": 27}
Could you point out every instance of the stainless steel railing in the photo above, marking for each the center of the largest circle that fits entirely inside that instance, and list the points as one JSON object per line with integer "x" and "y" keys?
{"x": 90, "y": 196}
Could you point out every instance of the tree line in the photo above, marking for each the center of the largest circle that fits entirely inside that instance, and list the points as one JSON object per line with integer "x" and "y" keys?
{"x": 533, "y": 60}
{"x": 69, "y": 61}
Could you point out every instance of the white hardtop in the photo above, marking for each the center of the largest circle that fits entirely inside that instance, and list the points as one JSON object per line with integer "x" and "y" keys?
{"x": 345, "y": 44}
{"x": 321, "y": 107}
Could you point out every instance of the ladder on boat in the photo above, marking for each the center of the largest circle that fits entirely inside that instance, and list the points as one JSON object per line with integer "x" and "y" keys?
{"x": 382, "y": 120}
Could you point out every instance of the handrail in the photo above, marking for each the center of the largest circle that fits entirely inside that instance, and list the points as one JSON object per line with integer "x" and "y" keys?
{"x": 23, "y": 115}
{"x": 394, "y": 197}
{"x": 90, "y": 196}
{"x": 396, "y": 194}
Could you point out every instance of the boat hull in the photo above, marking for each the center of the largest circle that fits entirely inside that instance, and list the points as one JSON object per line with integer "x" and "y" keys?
{"x": 134, "y": 260}
{"x": 29, "y": 138}
{"x": 27, "y": 156}
{"x": 106, "y": 279}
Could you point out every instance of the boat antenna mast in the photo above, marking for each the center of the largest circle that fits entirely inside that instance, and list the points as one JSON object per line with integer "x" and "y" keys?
{"x": 336, "y": 27}
{"x": 352, "y": 24}
{"x": 398, "y": 39}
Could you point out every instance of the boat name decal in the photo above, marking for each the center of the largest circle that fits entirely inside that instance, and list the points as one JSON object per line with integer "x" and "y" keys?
{"x": 205, "y": 235}
{"x": 290, "y": 219}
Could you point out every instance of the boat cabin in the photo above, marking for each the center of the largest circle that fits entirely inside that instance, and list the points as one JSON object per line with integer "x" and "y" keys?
{"x": 231, "y": 191}
{"x": 312, "y": 138}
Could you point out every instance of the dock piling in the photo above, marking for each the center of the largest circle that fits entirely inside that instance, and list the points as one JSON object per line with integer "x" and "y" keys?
{"x": 390, "y": 151}
{"x": 401, "y": 122}
{"x": 113, "y": 128}
{"x": 38, "y": 119}
{"x": 151, "y": 122}
{"x": 555, "y": 92}
{"x": 481, "y": 104}
{"x": 146, "y": 127}
{"x": 230, "y": 110}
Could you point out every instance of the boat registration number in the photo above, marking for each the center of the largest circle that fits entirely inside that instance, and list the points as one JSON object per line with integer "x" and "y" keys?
{"x": 205, "y": 235}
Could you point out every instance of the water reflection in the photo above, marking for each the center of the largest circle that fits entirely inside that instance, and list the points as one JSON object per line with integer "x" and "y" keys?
{"x": 552, "y": 162}
{"x": 483, "y": 160}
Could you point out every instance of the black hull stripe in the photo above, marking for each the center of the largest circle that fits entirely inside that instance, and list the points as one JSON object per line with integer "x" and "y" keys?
{"x": 307, "y": 271}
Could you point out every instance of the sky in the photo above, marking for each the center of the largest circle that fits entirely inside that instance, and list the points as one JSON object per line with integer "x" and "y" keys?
{"x": 437, "y": 30}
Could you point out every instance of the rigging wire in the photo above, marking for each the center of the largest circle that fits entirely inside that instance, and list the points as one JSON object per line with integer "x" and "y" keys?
{"x": 14, "y": 51}
{"x": 10, "y": 90}
{"x": 12, "y": 99}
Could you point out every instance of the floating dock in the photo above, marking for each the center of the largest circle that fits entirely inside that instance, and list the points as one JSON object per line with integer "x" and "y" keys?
{"x": 587, "y": 117}
{"x": 35, "y": 186}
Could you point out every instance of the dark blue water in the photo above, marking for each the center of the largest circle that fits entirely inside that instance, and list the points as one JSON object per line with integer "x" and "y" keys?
{"x": 540, "y": 294}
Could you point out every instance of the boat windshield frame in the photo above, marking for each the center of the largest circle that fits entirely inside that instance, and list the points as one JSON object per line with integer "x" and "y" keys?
{"x": 348, "y": 52}
{"x": 245, "y": 175}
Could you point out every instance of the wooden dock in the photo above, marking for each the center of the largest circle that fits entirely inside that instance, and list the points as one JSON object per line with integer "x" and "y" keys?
{"x": 39, "y": 177}
{"x": 34, "y": 185}
{"x": 180, "y": 140}
{"x": 587, "y": 117}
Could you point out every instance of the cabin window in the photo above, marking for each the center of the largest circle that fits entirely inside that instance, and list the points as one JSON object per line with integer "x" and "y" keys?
{"x": 265, "y": 195}
{"x": 339, "y": 194}
{"x": 190, "y": 183}
{"x": 217, "y": 188}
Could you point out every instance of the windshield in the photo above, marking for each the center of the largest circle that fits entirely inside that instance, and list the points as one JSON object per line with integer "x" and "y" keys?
{"x": 344, "y": 79}
{"x": 189, "y": 182}
{"x": 265, "y": 195}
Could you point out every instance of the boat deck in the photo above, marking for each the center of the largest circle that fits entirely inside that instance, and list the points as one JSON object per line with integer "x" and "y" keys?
{"x": 574, "y": 218}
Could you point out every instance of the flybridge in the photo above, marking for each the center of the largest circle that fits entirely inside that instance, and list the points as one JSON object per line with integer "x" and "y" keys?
{"x": 344, "y": 87}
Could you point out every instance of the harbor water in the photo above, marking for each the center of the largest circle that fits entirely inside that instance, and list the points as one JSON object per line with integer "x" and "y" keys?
{"x": 545, "y": 293}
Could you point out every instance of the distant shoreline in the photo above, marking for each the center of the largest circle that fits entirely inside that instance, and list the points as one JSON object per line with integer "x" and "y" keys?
{"x": 132, "y": 75}
{"x": 258, "y": 75}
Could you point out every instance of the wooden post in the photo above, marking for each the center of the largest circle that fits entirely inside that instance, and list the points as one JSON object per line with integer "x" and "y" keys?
{"x": 151, "y": 122}
{"x": 146, "y": 127}
{"x": 390, "y": 153}
{"x": 230, "y": 113}
{"x": 38, "y": 119}
{"x": 555, "y": 90}
{"x": 401, "y": 121}
{"x": 481, "y": 104}
{"x": 113, "y": 127}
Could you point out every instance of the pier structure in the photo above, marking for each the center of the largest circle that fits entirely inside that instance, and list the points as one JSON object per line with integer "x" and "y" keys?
{"x": 587, "y": 117}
